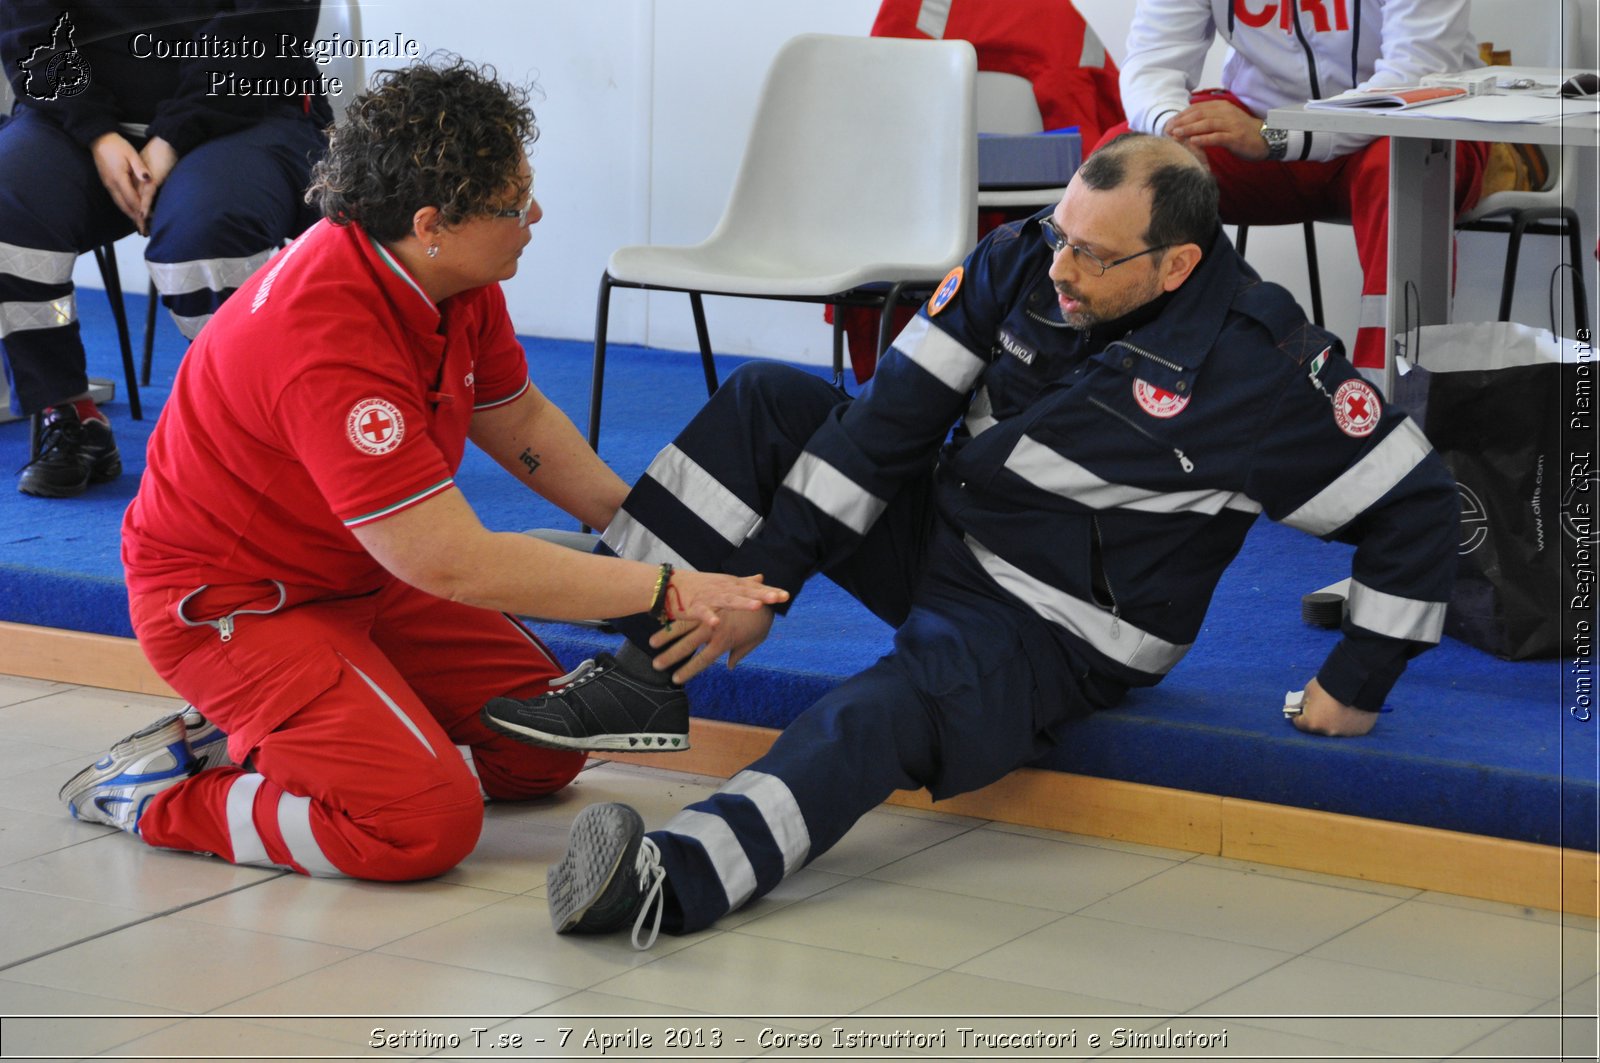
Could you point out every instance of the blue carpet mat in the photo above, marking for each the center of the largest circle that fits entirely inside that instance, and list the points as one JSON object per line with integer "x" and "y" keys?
{"x": 1472, "y": 743}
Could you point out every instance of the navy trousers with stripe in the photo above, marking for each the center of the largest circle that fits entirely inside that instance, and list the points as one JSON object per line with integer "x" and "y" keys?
{"x": 221, "y": 213}
{"x": 974, "y": 686}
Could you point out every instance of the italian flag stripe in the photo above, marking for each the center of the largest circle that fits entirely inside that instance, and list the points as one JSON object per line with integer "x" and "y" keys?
{"x": 523, "y": 390}
{"x": 399, "y": 271}
{"x": 379, "y": 514}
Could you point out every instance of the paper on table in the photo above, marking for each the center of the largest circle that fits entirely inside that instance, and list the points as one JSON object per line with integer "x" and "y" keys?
{"x": 1528, "y": 109}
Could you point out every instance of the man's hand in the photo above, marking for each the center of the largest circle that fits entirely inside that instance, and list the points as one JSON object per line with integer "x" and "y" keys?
{"x": 1323, "y": 715}
{"x": 691, "y": 647}
{"x": 124, "y": 173}
{"x": 1219, "y": 124}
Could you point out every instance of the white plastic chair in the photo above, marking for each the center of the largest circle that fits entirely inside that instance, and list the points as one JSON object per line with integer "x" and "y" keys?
{"x": 1533, "y": 38}
{"x": 1006, "y": 104}
{"x": 859, "y": 180}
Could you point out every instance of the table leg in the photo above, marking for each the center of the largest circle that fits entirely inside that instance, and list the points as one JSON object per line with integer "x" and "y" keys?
{"x": 1421, "y": 235}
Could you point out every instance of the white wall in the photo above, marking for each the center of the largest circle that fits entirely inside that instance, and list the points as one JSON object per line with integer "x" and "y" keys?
{"x": 644, "y": 112}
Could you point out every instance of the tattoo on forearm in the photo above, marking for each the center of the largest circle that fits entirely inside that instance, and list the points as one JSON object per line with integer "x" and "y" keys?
{"x": 530, "y": 459}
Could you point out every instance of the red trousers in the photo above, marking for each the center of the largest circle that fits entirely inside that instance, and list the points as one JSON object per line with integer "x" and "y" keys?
{"x": 1353, "y": 187}
{"x": 359, "y": 719}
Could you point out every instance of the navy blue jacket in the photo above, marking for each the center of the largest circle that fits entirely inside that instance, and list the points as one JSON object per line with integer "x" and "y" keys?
{"x": 121, "y": 77}
{"x": 1105, "y": 479}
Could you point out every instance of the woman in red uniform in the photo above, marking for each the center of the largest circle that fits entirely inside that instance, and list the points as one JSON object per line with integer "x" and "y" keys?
{"x": 300, "y": 564}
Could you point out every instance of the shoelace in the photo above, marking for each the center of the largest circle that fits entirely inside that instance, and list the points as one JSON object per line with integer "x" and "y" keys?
{"x": 57, "y": 431}
{"x": 647, "y": 864}
{"x": 580, "y": 675}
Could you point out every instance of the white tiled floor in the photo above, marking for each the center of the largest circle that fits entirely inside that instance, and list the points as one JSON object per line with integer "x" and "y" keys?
{"x": 916, "y": 922}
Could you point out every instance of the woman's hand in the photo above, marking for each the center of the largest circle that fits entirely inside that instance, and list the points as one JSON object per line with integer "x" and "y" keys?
{"x": 124, "y": 173}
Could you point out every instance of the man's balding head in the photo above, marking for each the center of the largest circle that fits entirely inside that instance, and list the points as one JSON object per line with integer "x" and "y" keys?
{"x": 1183, "y": 194}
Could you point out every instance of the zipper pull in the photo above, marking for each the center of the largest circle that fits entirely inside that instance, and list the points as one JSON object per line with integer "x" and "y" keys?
{"x": 1183, "y": 460}
{"x": 1116, "y": 622}
{"x": 225, "y": 628}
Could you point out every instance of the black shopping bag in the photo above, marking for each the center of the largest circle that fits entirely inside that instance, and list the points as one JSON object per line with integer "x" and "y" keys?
{"x": 1511, "y": 410}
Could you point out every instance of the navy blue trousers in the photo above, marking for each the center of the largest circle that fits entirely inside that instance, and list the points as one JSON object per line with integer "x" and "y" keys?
{"x": 221, "y": 213}
{"x": 974, "y": 686}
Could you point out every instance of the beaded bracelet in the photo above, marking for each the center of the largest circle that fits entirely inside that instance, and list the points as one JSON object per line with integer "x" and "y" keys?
{"x": 658, "y": 601}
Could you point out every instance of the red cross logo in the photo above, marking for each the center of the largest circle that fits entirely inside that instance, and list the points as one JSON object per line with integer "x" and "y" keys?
{"x": 375, "y": 426}
{"x": 1356, "y": 408}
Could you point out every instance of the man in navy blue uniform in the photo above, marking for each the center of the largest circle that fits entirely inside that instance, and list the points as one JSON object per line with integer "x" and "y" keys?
{"x": 193, "y": 122}
{"x": 1126, "y": 397}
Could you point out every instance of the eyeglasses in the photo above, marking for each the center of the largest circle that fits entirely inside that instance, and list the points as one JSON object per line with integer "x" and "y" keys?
{"x": 519, "y": 213}
{"x": 1057, "y": 242}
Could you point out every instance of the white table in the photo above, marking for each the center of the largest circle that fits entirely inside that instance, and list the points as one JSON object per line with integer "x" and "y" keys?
{"x": 1422, "y": 197}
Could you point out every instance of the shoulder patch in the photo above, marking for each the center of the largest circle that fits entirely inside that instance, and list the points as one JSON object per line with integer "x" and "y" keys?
{"x": 1356, "y": 408}
{"x": 375, "y": 426}
{"x": 946, "y": 291}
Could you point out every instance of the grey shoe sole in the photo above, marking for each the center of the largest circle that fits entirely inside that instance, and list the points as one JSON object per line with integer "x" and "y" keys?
{"x": 603, "y": 841}
{"x": 636, "y": 742}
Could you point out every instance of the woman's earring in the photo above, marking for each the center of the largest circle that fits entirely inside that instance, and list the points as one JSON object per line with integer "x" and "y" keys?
{"x": 433, "y": 250}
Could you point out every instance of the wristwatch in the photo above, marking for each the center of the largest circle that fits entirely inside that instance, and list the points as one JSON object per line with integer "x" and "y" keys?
{"x": 1277, "y": 141}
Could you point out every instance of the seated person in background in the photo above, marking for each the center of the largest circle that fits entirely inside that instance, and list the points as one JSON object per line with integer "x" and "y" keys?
{"x": 300, "y": 565}
{"x": 1285, "y": 53}
{"x": 1046, "y": 41}
{"x": 110, "y": 135}
{"x": 1039, "y": 489}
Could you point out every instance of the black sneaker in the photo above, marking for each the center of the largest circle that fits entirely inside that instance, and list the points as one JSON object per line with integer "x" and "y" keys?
{"x": 598, "y": 706}
{"x": 611, "y": 873}
{"x": 72, "y": 455}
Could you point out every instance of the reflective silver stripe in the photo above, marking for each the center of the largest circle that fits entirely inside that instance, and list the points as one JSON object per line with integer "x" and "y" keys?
{"x": 206, "y": 274}
{"x": 243, "y": 837}
{"x": 1115, "y": 638}
{"x": 771, "y": 795}
{"x": 1363, "y": 483}
{"x": 390, "y": 704}
{"x": 939, "y": 353}
{"x": 189, "y": 326}
{"x": 732, "y": 867}
{"x": 52, "y": 313}
{"x": 980, "y": 413}
{"x": 34, "y": 264}
{"x": 1050, "y": 471}
{"x": 1374, "y": 311}
{"x": 1397, "y": 617}
{"x": 703, "y": 493}
{"x": 628, "y": 538}
{"x": 294, "y": 821}
{"x": 1094, "y": 52}
{"x": 472, "y": 766}
{"x": 834, "y": 493}
{"x": 932, "y": 17}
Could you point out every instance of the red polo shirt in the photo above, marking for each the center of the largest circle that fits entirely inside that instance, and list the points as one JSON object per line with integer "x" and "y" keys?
{"x": 328, "y": 392}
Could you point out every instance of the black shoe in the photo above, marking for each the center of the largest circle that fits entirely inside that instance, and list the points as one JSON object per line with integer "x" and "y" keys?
{"x": 598, "y": 706}
{"x": 72, "y": 455}
{"x": 611, "y": 873}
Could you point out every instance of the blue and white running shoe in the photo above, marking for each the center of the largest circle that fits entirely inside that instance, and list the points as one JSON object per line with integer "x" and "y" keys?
{"x": 115, "y": 789}
{"x": 206, "y": 741}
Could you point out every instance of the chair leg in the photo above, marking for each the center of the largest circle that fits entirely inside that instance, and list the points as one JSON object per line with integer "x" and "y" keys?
{"x": 602, "y": 313}
{"x": 886, "y": 319}
{"x": 1580, "y": 300}
{"x": 1508, "y": 280}
{"x": 1241, "y": 236}
{"x": 1314, "y": 273}
{"x": 105, "y": 257}
{"x": 149, "y": 334}
{"x": 35, "y": 430}
{"x": 838, "y": 346}
{"x": 707, "y": 363}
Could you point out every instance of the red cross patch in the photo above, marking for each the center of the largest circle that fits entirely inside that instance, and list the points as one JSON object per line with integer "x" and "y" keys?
{"x": 1156, "y": 402}
{"x": 1356, "y": 408}
{"x": 375, "y": 426}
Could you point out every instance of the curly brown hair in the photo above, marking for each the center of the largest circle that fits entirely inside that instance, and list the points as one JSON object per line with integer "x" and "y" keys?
{"x": 442, "y": 133}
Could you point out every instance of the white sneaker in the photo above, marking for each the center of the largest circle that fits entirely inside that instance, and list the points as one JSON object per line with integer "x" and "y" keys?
{"x": 115, "y": 789}
{"x": 206, "y": 741}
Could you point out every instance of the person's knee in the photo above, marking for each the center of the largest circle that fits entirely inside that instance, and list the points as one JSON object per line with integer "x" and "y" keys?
{"x": 423, "y": 843}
